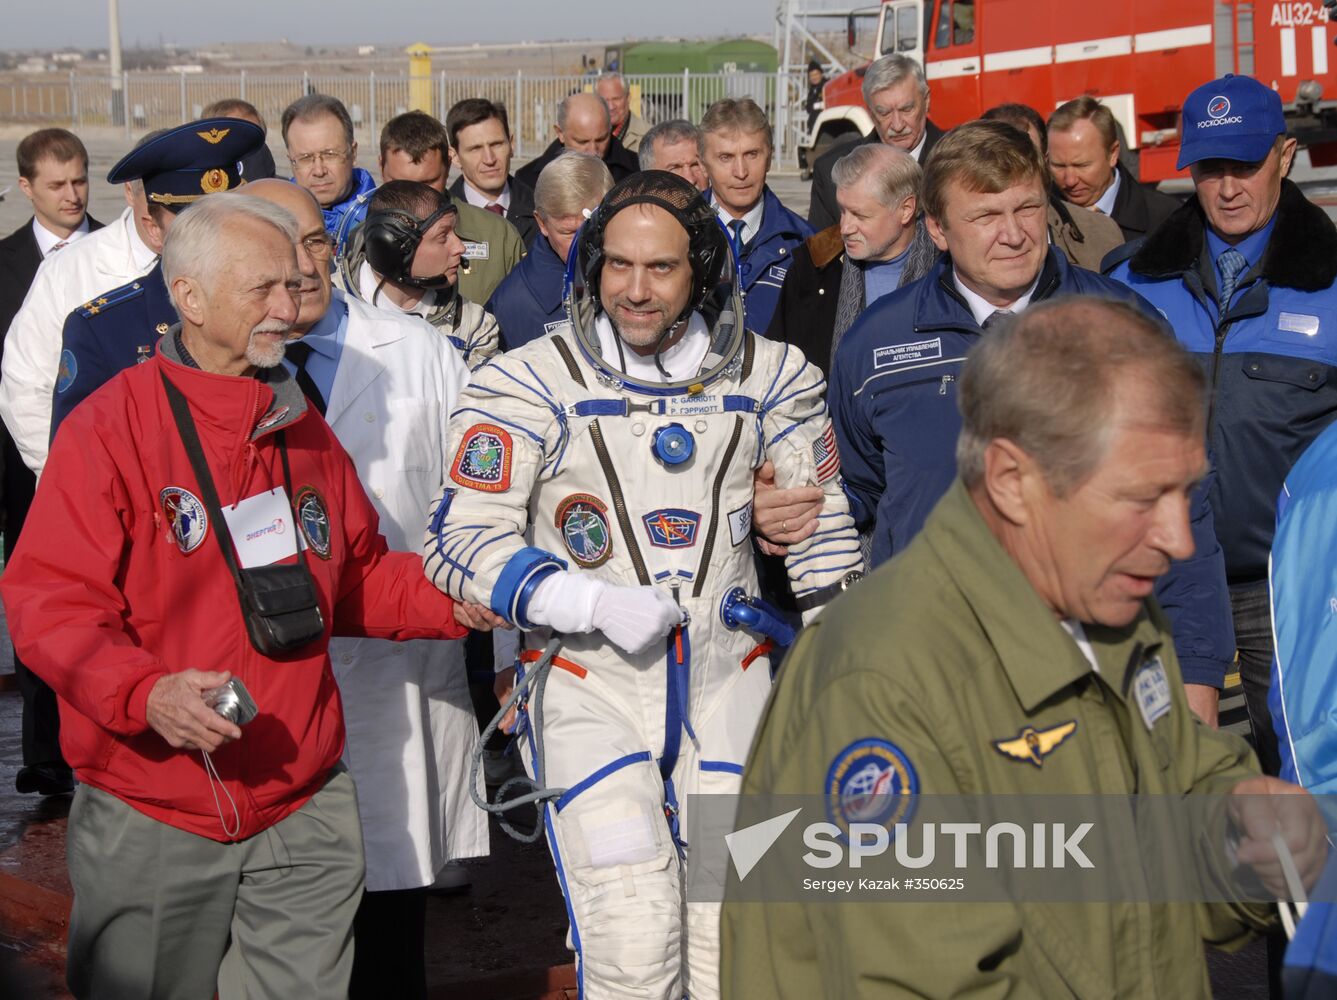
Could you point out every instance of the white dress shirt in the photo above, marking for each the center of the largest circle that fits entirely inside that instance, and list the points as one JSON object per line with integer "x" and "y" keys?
{"x": 982, "y": 309}
{"x": 480, "y": 200}
{"x": 751, "y": 219}
{"x": 1105, "y": 203}
{"x": 47, "y": 240}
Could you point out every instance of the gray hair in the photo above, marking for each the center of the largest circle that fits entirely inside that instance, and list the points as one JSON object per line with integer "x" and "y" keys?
{"x": 893, "y": 172}
{"x": 672, "y": 131}
{"x": 615, "y": 76}
{"x": 889, "y": 71}
{"x": 564, "y": 108}
{"x": 571, "y": 183}
{"x": 198, "y": 240}
{"x": 313, "y": 106}
{"x": 736, "y": 114}
{"x": 1051, "y": 381}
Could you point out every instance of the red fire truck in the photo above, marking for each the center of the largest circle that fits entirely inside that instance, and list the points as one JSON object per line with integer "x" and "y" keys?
{"x": 1139, "y": 57}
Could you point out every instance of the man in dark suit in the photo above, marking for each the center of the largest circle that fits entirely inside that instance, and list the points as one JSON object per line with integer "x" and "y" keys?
{"x": 53, "y": 173}
{"x": 585, "y": 125}
{"x": 896, "y": 94}
{"x": 1084, "y": 161}
{"x": 481, "y": 146}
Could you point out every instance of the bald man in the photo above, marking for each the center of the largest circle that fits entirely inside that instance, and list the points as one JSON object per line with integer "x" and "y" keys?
{"x": 584, "y": 125}
{"x": 410, "y": 722}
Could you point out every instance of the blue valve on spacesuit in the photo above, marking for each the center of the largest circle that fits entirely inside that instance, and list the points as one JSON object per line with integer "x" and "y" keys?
{"x": 738, "y": 610}
{"x": 673, "y": 444}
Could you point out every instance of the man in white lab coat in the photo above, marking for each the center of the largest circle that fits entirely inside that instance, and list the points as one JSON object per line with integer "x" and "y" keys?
{"x": 386, "y": 383}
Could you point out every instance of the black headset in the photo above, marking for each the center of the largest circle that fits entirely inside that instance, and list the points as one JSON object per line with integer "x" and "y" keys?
{"x": 391, "y": 238}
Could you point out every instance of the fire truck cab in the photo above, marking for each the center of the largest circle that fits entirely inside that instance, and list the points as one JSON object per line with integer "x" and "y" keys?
{"x": 1139, "y": 57}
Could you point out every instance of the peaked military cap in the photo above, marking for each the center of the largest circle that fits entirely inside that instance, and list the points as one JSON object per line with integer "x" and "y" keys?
{"x": 187, "y": 162}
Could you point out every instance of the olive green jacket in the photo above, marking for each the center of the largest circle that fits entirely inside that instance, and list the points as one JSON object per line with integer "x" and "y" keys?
{"x": 945, "y": 651}
{"x": 492, "y": 247}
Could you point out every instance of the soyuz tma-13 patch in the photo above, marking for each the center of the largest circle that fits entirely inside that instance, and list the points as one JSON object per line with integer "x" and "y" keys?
{"x": 483, "y": 461}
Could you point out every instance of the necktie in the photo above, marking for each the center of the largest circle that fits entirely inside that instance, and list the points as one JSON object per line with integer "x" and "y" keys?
{"x": 58, "y": 246}
{"x": 1231, "y": 264}
{"x": 998, "y": 319}
{"x": 299, "y": 353}
{"x": 738, "y": 225}
{"x": 496, "y": 209}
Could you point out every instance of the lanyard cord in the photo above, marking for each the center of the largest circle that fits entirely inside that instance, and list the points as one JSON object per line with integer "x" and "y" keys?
{"x": 218, "y": 806}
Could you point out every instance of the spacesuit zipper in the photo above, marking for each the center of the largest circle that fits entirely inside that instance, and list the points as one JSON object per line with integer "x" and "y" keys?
{"x": 619, "y": 503}
{"x": 715, "y": 491}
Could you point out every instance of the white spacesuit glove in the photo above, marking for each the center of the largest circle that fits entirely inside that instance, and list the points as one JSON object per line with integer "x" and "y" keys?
{"x": 630, "y": 617}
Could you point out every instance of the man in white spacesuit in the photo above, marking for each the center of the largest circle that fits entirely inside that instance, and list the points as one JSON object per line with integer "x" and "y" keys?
{"x": 601, "y": 490}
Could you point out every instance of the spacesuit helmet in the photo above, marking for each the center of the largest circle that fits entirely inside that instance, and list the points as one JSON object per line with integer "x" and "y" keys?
{"x": 393, "y": 231}
{"x": 715, "y": 289}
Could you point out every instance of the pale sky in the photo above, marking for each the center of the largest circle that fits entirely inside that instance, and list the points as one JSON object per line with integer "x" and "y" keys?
{"x": 83, "y": 23}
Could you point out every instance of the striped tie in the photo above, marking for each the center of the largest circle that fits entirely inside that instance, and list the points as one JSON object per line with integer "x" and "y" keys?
{"x": 1231, "y": 264}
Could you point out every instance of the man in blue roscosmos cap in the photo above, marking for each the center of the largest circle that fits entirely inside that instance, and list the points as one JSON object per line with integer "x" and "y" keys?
{"x": 121, "y": 327}
{"x": 1244, "y": 274}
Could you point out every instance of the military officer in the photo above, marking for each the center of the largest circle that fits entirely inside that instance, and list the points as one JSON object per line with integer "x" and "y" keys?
{"x": 1029, "y": 658}
{"x": 121, "y": 327}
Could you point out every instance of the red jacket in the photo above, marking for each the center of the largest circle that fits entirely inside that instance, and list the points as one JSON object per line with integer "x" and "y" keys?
{"x": 112, "y": 588}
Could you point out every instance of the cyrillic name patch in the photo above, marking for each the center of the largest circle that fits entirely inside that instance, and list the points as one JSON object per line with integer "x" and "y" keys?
{"x": 896, "y": 354}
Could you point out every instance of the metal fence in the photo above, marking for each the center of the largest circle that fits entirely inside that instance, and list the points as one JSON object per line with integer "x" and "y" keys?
{"x": 160, "y": 100}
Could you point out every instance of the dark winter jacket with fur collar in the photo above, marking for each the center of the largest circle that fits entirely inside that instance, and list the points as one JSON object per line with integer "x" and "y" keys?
{"x": 1271, "y": 359}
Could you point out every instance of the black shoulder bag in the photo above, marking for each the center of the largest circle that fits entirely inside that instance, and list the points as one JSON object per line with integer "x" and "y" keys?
{"x": 279, "y": 603}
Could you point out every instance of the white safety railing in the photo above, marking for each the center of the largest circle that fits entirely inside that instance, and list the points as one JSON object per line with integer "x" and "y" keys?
{"x": 146, "y": 101}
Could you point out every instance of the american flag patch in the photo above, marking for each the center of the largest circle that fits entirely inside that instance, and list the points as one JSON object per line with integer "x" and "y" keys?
{"x": 825, "y": 455}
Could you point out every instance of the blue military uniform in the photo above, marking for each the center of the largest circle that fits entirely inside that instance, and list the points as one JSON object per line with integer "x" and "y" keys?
{"x": 528, "y": 302}
{"x": 121, "y": 327}
{"x": 108, "y": 335}
{"x": 765, "y": 259}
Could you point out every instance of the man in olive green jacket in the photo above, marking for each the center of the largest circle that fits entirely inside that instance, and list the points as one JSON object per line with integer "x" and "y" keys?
{"x": 1014, "y": 649}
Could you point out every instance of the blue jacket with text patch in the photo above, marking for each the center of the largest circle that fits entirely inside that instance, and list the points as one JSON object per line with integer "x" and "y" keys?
{"x": 528, "y": 302}
{"x": 893, "y": 402}
{"x": 765, "y": 259}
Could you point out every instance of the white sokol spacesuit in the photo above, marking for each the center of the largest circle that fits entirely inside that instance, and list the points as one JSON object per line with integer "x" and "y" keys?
{"x": 601, "y": 494}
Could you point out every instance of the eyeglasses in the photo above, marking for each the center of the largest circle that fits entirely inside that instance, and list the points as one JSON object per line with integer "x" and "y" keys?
{"x": 320, "y": 247}
{"x": 332, "y": 157}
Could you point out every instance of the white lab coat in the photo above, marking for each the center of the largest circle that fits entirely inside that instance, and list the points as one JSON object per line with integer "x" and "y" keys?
{"x": 81, "y": 271}
{"x": 411, "y": 725}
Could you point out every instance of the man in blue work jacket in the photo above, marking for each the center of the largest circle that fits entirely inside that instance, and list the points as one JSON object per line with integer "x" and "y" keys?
{"x": 894, "y": 379}
{"x": 528, "y": 304}
{"x": 1244, "y": 273}
{"x": 736, "y": 150}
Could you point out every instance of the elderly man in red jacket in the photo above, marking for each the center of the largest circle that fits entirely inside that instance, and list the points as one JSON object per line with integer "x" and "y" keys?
{"x": 172, "y": 498}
